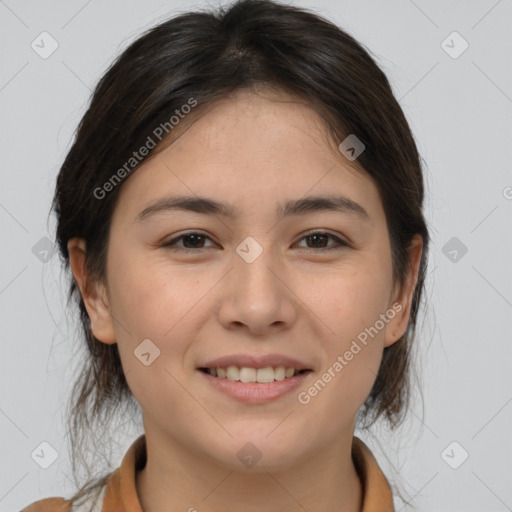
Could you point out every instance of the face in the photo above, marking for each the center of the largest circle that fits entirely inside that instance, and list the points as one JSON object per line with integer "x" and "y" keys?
{"x": 313, "y": 284}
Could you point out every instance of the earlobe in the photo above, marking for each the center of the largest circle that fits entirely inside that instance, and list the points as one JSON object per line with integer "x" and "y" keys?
{"x": 402, "y": 299}
{"x": 93, "y": 293}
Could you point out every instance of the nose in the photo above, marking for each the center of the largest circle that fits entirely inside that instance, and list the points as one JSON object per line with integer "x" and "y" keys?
{"x": 257, "y": 296}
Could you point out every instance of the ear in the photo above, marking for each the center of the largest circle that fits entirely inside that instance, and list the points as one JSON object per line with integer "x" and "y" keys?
{"x": 93, "y": 293}
{"x": 401, "y": 299}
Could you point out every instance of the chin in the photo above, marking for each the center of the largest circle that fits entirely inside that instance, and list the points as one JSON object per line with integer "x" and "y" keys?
{"x": 257, "y": 452}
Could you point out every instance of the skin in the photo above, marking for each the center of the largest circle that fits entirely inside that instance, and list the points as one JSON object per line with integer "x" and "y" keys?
{"x": 254, "y": 151}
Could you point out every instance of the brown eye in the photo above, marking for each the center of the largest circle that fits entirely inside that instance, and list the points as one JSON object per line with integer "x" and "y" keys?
{"x": 318, "y": 240}
{"x": 190, "y": 242}
{"x": 194, "y": 242}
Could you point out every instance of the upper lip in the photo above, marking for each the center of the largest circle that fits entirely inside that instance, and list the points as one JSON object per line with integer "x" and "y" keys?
{"x": 261, "y": 361}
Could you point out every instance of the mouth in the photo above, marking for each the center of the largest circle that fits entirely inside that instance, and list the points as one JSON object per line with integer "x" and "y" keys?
{"x": 265, "y": 375}
{"x": 254, "y": 385}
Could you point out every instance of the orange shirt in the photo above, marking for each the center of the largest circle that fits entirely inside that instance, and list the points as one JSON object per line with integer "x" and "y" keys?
{"x": 120, "y": 493}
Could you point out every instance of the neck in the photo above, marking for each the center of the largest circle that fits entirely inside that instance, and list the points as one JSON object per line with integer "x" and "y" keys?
{"x": 325, "y": 482}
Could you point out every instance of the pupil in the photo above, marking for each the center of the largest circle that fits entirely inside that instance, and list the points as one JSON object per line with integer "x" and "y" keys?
{"x": 315, "y": 237}
{"x": 196, "y": 237}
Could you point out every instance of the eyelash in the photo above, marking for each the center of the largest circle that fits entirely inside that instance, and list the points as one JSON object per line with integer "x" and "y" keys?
{"x": 172, "y": 243}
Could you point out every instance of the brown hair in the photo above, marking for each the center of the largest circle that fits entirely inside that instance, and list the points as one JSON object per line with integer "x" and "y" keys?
{"x": 206, "y": 56}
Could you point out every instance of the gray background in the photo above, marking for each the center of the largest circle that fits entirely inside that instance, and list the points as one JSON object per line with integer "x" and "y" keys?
{"x": 460, "y": 112}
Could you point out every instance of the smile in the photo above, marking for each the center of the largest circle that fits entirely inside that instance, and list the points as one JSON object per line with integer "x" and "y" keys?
{"x": 254, "y": 386}
{"x": 246, "y": 374}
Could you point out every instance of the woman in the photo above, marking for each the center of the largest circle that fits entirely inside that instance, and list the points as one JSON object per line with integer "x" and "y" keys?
{"x": 241, "y": 211}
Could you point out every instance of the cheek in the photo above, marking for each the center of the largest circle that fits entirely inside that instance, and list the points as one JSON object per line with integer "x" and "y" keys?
{"x": 151, "y": 311}
{"x": 150, "y": 296}
{"x": 352, "y": 361}
{"x": 348, "y": 298}
{"x": 143, "y": 308}
{"x": 152, "y": 300}
{"x": 351, "y": 306}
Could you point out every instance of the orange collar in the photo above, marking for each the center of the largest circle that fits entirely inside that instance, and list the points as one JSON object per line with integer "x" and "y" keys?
{"x": 121, "y": 492}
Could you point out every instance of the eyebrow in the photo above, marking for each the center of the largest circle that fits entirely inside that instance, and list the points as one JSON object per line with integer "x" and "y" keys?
{"x": 207, "y": 206}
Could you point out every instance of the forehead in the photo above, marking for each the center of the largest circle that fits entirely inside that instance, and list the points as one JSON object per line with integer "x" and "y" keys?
{"x": 267, "y": 145}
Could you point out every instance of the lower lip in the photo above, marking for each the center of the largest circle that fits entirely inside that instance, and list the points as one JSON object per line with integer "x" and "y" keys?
{"x": 255, "y": 392}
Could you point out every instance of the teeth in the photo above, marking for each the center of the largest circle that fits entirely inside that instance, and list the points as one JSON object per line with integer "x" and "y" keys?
{"x": 232, "y": 373}
{"x": 244, "y": 374}
{"x": 279, "y": 373}
{"x": 265, "y": 374}
{"x": 247, "y": 374}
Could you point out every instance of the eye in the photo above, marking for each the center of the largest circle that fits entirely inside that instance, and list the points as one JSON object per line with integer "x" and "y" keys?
{"x": 319, "y": 238}
{"x": 194, "y": 242}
